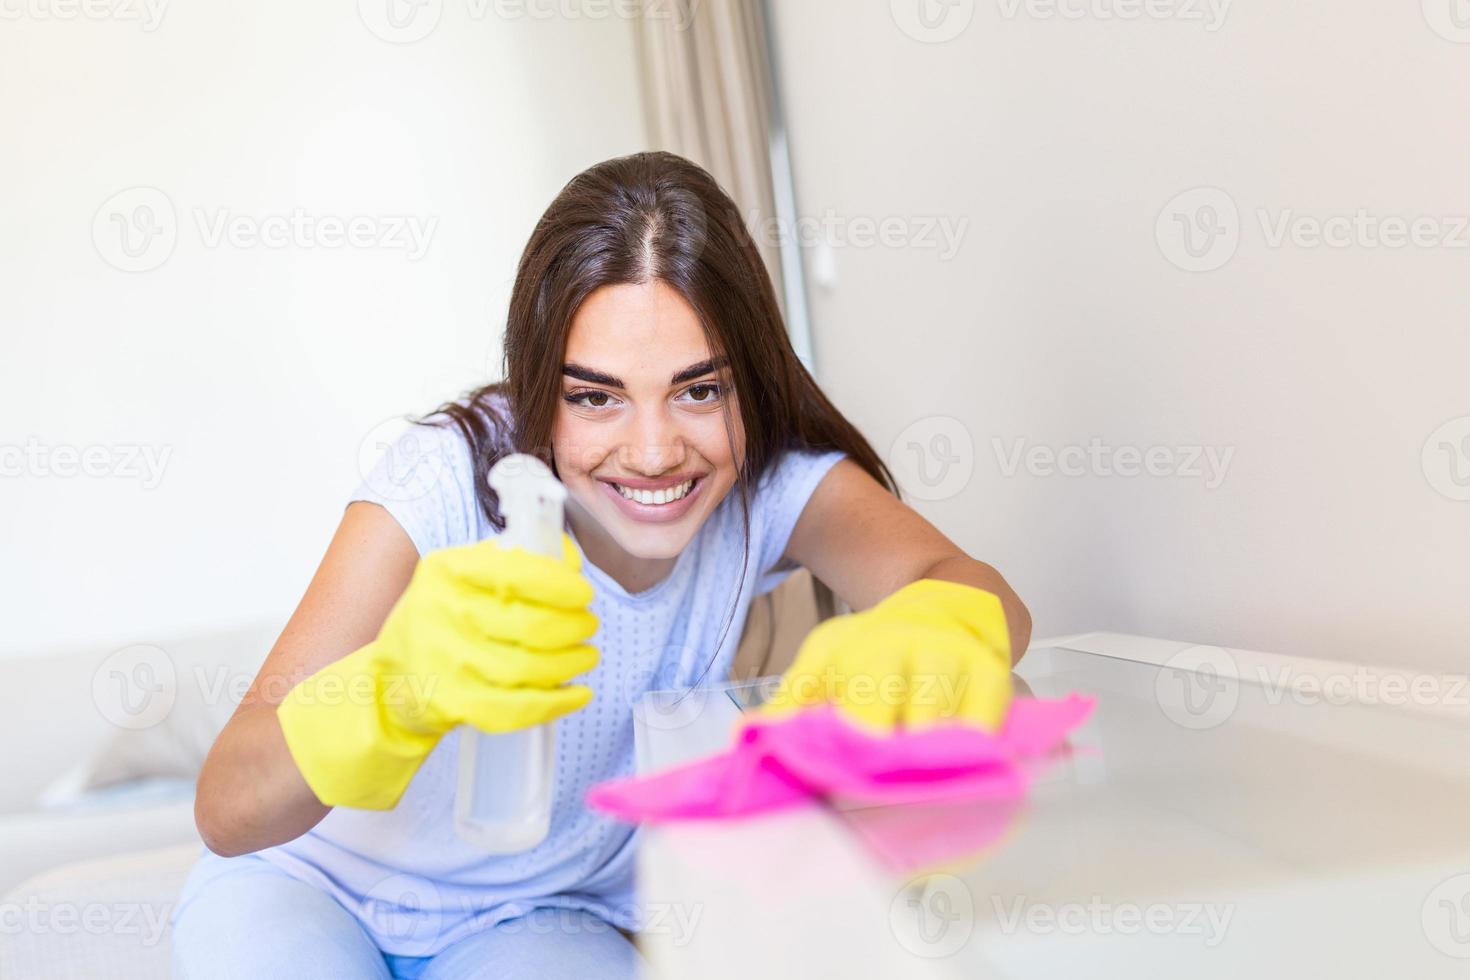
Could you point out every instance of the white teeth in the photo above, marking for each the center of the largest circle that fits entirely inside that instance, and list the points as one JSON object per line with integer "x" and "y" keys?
{"x": 665, "y": 496}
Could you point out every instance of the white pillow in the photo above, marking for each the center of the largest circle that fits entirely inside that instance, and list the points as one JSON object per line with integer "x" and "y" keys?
{"x": 198, "y": 682}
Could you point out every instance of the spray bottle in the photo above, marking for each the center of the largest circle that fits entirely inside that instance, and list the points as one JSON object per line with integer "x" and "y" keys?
{"x": 503, "y": 804}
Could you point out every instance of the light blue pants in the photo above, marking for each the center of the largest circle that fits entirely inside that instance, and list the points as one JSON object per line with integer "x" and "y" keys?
{"x": 256, "y": 922}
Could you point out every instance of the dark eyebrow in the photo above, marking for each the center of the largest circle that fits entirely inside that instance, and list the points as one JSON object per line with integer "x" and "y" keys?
{"x": 598, "y": 378}
{"x": 590, "y": 376}
{"x": 696, "y": 370}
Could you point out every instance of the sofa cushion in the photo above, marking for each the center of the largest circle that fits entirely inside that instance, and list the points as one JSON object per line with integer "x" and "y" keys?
{"x": 100, "y": 918}
{"x": 148, "y": 815}
{"x": 90, "y": 718}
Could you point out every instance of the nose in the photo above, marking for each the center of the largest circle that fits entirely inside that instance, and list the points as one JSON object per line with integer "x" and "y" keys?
{"x": 655, "y": 445}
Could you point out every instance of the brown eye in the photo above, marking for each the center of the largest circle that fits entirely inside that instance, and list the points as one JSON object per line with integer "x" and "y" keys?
{"x": 590, "y": 399}
{"x": 703, "y": 393}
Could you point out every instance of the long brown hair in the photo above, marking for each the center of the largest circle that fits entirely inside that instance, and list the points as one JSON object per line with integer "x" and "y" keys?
{"x": 636, "y": 219}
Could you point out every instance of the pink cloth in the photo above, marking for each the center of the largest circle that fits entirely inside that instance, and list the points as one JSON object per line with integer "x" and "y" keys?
{"x": 780, "y": 762}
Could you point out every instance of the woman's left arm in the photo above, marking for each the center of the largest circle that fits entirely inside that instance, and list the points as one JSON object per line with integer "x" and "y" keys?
{"x": 865, "y": 544}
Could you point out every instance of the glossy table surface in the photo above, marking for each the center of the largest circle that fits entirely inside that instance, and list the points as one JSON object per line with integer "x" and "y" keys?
{"x": 1221, "y": 814}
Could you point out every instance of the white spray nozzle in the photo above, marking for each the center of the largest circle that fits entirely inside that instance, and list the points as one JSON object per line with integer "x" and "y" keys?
{"x": 531, "y": 501}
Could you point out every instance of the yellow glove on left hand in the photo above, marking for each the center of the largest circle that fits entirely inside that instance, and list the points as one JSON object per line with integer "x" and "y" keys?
{"x": 933, "y": 650}
{"x": 484, "y": 635}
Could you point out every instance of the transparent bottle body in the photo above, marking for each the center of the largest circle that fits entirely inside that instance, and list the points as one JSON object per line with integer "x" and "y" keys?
{"x": 503, "y": 804}
{"x": 503, "y": 801}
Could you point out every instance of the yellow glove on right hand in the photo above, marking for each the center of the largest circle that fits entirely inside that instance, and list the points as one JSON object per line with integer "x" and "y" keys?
{"x": 931, "y": 652}
{"x": 484, "y": 635}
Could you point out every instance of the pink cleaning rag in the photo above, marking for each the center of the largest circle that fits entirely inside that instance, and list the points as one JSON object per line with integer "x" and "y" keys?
{"x": 780, "y": 762}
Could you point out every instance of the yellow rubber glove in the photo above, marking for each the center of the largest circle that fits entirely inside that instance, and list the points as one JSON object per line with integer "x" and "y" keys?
{"x": 484, "y": 635}
{"x": 931, "y": 651}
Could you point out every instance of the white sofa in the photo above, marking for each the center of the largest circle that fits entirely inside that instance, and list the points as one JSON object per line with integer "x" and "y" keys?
{"x": 97, "y": 804}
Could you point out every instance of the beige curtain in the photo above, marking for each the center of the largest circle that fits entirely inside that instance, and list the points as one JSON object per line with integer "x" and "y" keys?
{"x": 707, "y": 97}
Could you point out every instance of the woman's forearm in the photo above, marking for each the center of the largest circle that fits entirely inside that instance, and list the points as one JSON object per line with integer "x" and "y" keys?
{"x": 250, "y": 794}
{"x": 968, "y": 571}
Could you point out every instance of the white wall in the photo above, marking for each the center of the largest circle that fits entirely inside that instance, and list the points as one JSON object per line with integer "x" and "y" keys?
{"x": 1061, "y": 317}
{"x": 260, "y": 371}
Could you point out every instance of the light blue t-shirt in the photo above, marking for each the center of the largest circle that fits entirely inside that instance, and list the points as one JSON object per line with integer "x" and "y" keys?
{"x": 412, "y": 883}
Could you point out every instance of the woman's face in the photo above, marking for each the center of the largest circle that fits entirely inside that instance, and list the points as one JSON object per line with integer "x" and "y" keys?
{"x": 640, "y": 438}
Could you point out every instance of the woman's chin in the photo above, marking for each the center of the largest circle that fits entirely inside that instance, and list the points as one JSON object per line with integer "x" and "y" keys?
{"x": 653, "y": 544}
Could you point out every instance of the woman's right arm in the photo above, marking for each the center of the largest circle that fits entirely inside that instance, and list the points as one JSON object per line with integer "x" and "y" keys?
{"x": 251, "y": 794}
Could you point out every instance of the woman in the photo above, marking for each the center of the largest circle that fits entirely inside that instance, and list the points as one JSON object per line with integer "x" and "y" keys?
{"x": 646, "y": 361}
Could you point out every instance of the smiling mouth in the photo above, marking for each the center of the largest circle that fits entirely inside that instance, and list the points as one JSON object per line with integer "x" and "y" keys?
{"x": 666, "y": 495}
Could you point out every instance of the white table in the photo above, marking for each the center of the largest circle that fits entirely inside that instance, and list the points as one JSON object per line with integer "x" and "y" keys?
{"x": 1219, "y": 817}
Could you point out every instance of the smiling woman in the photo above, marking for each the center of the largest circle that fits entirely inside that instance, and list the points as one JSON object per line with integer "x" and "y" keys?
{"x": 645, "y": 350}
{"x": 647, "y": 363}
